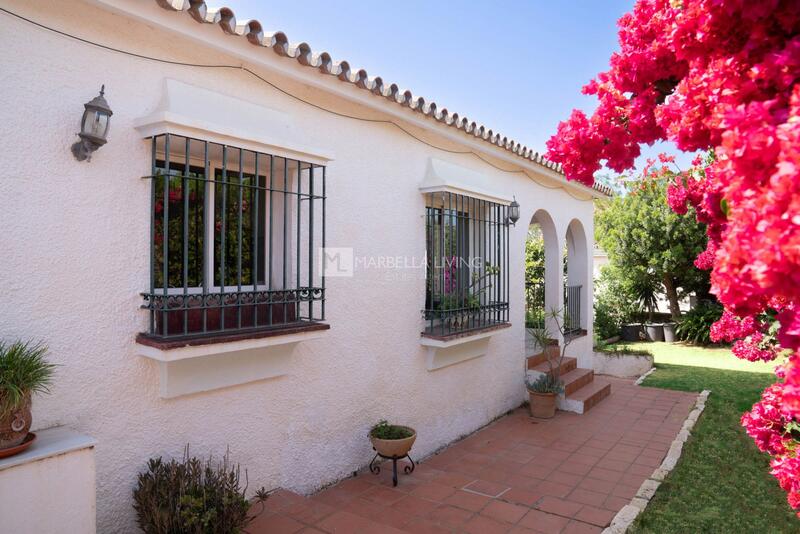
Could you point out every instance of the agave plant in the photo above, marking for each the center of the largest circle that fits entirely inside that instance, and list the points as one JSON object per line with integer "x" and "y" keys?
{"x": 23, "y": 371}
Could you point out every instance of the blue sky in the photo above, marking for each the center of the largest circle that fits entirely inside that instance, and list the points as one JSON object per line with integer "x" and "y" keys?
{"x": 516, "y": 66}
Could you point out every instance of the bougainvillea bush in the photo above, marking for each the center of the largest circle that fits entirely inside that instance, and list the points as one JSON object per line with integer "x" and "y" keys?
{"x": 720, "y": 76}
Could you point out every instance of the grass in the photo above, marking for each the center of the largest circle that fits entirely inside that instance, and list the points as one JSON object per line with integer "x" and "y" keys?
{"x": 722, "y": 482}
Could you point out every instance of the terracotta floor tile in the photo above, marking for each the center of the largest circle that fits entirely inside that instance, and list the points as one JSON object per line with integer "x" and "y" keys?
{"x": 484, "y": 487}
{"x": 615, "y": 503}
{"x": 521, "y": 496}
{"x": 468, "y": 501}
{"x": 382, "y": 496}
{"x": 419, "y": 525}
{"x": 561, "y": 477}
{"x": 347, "y": 523}
{"x": 479, "y": 524}
{"x": 596, "y": 485}
{"x": 579, "y": 527}
{"x": 453, "y": 480}
{"x": 449, "y": 516}
{"x": 433, "y": 491}
{"x": 274, "y": 522}
{"x": 605, "y": 474}
{"x": 554, "y": 505}
{"x": 309, "y": 512}
{"x": 504, "y": 512}
{"x": 595, "y": 516}
{"x": 587, "y": 497}
{"x": 543, "y": 522}
{"x": 412, "y": 505}
{"x": 554, "y": 489}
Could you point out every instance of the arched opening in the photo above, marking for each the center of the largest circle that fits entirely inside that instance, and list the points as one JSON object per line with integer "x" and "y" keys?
{"x": 576, "y": 262}
{"x": 542, "y": 276}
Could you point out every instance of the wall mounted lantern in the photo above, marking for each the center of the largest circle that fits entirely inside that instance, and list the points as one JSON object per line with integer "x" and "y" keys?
{"x": 94, "y": 127}
{"x": 513, "y": 213}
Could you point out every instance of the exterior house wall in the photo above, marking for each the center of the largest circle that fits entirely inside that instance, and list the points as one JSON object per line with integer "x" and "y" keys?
{"x": 76, "y": 242}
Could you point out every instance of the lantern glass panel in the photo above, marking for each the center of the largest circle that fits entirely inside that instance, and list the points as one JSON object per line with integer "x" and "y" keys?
{"x": 95, "y": 123}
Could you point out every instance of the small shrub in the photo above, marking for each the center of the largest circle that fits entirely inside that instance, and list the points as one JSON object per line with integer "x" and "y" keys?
{"x": 192, "y": 497}
{"x": 383, "y": 430}
{"x": 606, "y": 324}
{"x": 534, "y": 318}
{"x": 622, "y": 350}
{"x": 695, "y": 326}
{"x": 616, "y": 303}
{"x": 546, "y": 383}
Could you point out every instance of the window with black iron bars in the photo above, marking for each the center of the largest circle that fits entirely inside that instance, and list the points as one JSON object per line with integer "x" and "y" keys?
{"x": 233, "y": 235}
{"x": 467, "y": 264}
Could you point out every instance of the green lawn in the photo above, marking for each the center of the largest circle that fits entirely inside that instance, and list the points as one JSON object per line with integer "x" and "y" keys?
{"x": 722, "y": 482}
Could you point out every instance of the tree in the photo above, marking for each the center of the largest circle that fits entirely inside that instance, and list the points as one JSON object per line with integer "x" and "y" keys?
{"x": 721, "y": 76}
{"x": 651, "y": 244}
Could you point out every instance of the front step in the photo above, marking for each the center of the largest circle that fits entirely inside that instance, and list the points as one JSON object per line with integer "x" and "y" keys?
{"x": 576, "y": 379}
{"x": 585, "y": 398}
{"x": 567, "y": 364}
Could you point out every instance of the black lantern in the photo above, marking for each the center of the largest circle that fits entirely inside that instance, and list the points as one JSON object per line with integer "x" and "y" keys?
{"x": 94, "y": 127}
{"x": 513, "y": 212}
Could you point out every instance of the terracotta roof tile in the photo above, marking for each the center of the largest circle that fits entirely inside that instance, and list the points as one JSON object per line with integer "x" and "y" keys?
{"x": 254, "y": 32}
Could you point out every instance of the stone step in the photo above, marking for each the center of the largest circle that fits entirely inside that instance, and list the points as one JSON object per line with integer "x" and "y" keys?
{"x": 576, "y": 379}
{"x": 567, "y": 364}
{"x": 585, "y": 398}
{"x": 536, "y": 359}
{"x": 541, "y": 357}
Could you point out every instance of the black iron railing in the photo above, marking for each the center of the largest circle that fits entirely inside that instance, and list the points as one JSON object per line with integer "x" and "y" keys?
{"x": 572, "y": 309}
{"x": 233, "y": 236}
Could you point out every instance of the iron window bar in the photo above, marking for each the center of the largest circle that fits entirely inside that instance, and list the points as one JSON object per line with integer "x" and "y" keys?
{"x": 572, "y": 307}
{"x": 216, "y": 267}
{"x": 467, "y": 264}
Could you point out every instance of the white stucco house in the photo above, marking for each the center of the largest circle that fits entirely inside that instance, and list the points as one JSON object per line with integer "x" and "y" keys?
{"x": 202, "y": 308}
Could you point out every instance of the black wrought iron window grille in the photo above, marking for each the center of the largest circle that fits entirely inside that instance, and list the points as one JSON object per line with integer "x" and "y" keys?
{"x": 234, "y": 237}
{"x": 467, "y": 264}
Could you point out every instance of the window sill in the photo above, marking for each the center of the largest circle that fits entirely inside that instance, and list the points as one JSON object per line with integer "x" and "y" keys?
{"x": 259, "y": 337}
{"x": 444, "y": 351}
{"x": 194, "y": 364}
{"x": 433, "y": 340}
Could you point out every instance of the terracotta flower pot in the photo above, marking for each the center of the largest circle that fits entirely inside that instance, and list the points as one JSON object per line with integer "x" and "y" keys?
{"x": 15, "y": 426}
{"x": 396, "y": 448}
{"x": 543, "y": 405}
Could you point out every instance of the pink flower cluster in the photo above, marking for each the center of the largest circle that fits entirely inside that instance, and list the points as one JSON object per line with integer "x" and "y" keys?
{"x": 720, "y": 76}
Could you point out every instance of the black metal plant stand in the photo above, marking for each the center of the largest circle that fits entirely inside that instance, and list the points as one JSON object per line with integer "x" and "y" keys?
{"x": 375, "y": 469}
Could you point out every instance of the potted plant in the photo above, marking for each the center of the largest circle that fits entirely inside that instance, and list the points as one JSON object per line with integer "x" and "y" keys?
{"x": 23, "y": 372}
{"x": 544, "y": 390}
{"x": 392, "y": 441}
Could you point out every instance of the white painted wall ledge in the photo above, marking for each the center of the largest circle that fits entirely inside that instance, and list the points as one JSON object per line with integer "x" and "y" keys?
{"x": 205, "y": 367}
{"x": 450, "y": 350}
{"x": 50, "y": 487}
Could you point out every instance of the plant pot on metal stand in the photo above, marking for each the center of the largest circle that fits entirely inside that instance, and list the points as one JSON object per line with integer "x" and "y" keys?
{"x": 392, "y": 442}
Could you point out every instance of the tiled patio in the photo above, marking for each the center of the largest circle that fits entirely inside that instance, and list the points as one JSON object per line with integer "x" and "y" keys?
{"x": 570, "y": 474}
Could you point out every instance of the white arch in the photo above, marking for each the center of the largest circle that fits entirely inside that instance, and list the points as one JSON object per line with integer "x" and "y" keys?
{"x": 553, "y": 295}
{"x": 578, "y": 267}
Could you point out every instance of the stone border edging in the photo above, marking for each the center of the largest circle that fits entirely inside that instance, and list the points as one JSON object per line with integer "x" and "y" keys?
{"x": 641, "y": 378}
{"x": 625, "y": 517}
